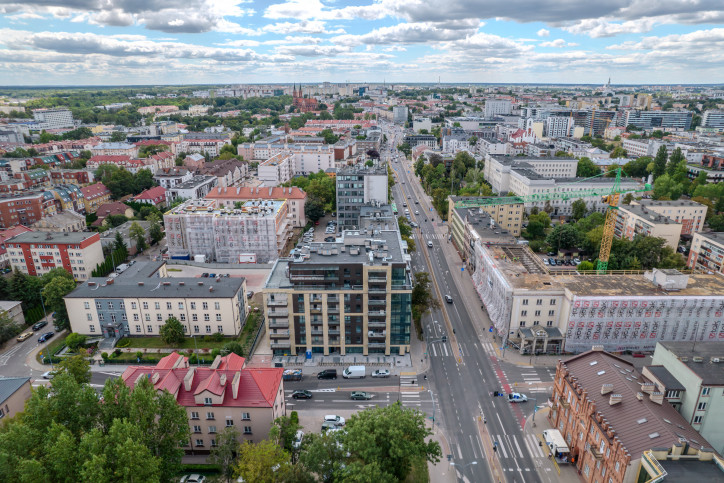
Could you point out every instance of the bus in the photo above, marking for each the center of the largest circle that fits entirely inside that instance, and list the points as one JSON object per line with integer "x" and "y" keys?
{"x": 394, "y": 209}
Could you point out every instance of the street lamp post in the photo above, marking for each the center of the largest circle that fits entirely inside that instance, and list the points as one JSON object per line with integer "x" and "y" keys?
{"x": 432, "y": 396}
{"x": 196, "y": 350}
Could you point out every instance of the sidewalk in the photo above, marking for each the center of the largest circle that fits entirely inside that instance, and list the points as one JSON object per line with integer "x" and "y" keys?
{"x": 443, "y": 471}
{"x": 563, "y": 473}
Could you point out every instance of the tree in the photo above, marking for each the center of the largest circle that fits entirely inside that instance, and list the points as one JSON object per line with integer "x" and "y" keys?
{"x": 137, "y": 233}
{"x": 421, "y": 293}
{"x": 8, "y": 328}
{"x": 628, "y": 198}
{"x": 585, "y": 265}
{"x": 587, "y": 168}
{"x": 618, "y": 152}
{"x": 716, "y": 222}
{"x": 224, "y": 453}
{"x": 563, "y": 236}
{"x": 119, "y": 243}
{"x": 314, "y": 208}
{"x": 53, "y": 294}
{"x": 172, "y": 332}
{"x": 675, "y": 161}
{"x": 117, "y": 136}
{"x": 283, "y": 431}
{"x": 638, "y": 168}
{"x": 263, "y": 462}
{"x": 78, "y": 367}
{"x": 578, "y": 209}
{"x": 537, "y": 225}
{"x": 329, "y": 136}
{"x": 390, "y": 438}
{"x": 660, "y": 161}
{"x": 667, "y": 188}
{"x": 154, "y": 229}
{"x": 75, "y": 340}
{"x": 234, "y": 347}
{"x": 405, "y": 148}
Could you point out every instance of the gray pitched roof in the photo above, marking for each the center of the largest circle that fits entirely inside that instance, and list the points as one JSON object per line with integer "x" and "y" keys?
{"x": 9, "y": 385}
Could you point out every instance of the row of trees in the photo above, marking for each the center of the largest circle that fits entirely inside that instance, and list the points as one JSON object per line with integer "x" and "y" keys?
{"x": 321, "y": 193}
{"x": 122, "y": 183}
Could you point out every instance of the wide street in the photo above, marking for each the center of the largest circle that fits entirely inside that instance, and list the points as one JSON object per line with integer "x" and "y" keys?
{"x": 464, "y": 371}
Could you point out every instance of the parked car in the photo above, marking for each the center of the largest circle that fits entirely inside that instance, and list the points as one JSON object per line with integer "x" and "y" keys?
{"x": 334, "y": 419}
{"x": 49, "y": 375}
{"x": 546, "y": 262}
{"x": 205, "y": 275}
{"x": 302, "y": 394}
{"x": 297, "y": 443}
{"x": 329, "y": 239}
{"x": 24, "y": 336}
{"x": 212, "y": 275}
{"x": 194, "y": 478}
{"x": 381, "y": 373}
{"x": 360, "y": 396}
{"x": 327, "y": 374}
{"x": 329, "y": 427}
{"x": 45, "y": 337}
{"x": 39, "y": 325}
{"x": 576, "y": 261}
{"x": 413, "y": 224}
{"x": 559, "y": 262}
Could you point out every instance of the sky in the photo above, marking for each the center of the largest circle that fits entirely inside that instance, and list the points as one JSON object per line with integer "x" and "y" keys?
{"x": 127, "y": 42}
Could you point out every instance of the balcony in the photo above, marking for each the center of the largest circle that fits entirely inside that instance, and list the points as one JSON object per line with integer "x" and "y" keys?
{"x": 333, "y": 332}
{"x": 276, "y": 302}
{"x": 373, "y": 324}
{"x": 315, "y": 310}
{"x": 315, "y": 298}
{"x": 375, "y": 278}
{"x": 304, "y": 278}
{"x": 317, "y": 332}
{"x": 376, "y": 313}
{"x": 332, "y": 298}
{"x": 377, "y": 290}
{"x": 402, "y": 287}
{"x": 376, "y": 335}
{"x": 277, "y": 313}
{"x": 284, "y": 334}
{"x": 377, "y": 302}
{"x": 278, "y": 323}
{"x": 333, "y": 310}
{"x": 596, "y": 454}
{"x": 281, "y": 344}
{"x": 376, "y": 345}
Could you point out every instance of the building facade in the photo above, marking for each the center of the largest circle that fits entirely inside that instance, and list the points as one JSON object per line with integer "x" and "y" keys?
{"x": 296, "y": 197}
{"x": 36, "y": 253}
{"x": 195, "y": 188}
{"x": 14, "y": 391}
{"x": 276, "y": 170}
{"x": 635, "y": 220}
{"x": 53, "y": 118}
{"x": 358, "y": 186}
{"x": 349, "y": 297}
{"x": 707, "y": 252}
{"x": 659, "y": 119}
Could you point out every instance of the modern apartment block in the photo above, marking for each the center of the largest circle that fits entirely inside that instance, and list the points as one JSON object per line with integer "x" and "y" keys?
{"x": 139, "y": 302}
{"x": 619, "y": 427}
{"x": 36, "y": 253}
{"x": 195, "y": 188}
{"x": 507, "y": 217}
{"x": 399, "y": 114}
{"x": 693, "y": 382}
{"x": 255, "y": 232}
{"x": 497, "y": 107}
{"x": 346, "y": 297}
{"x": 689, "y": 213}
{"x": 223, "y": 395}
{"x": 659, "y": 119}
{"x": 53, "y": 118}
{"x": 707, "y": 252}
{"x": 276, "y": 170}
{"x": 636, "y": 220}
{"x": 713, "y": 119}
{"x": 357, "y": 186}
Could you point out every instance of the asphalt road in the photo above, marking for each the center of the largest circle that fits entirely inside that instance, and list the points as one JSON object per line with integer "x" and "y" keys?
{"x": 463, "y": 387}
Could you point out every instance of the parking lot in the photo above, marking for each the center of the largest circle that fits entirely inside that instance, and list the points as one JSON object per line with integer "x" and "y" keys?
{"x": 571, "y": 263}
{"x": 320, "y": 230}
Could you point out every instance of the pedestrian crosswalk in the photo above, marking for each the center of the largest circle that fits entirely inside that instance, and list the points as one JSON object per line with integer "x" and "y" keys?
{"x": 509, "y": 446}
{"x": 430, "y": 236}
{"x": 410, "y": 390}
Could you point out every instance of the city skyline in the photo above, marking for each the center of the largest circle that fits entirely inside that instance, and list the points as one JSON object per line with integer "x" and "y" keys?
{"x": 89, "y": 42}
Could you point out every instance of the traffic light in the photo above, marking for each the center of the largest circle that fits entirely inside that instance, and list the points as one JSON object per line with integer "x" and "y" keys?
{"x": 444, "y": 338}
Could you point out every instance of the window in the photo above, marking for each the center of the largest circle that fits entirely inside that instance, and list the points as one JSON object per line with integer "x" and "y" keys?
{"x": 138, "y": 328}
{"x": 149, "y": 328}
{"x": 194, "y": 317}
{"x": 617, "y": 465}
{"x": 697, "y": 419}
{"x": 551, "y": 312}
{"x": 217, "y": 306}
{"x": 603, "y": 471}
{"x": 553, "y": 301}
{"x": 536, "y": 322}
{"x": 194, "y": 415}
{"x": 208, "y": 329}
{"x": 246, "y": 416}
{"x": 133, "y": 305}
{"x": 207, "y": 317}
{"x": 537, "y": 313}
{"x": 135, "y": 317}
{"x": 86, "y": 305}
{"x": 205, "y": 305}
{"x": 213, "y": 441}
{"x": 523, "y": 313}
{"x": 539, "y": 302}
{"x": 180, "y": 305}
{"x": 207, "y": 400}
{"x": 218, "y": 317}
{"x": 247, "y": 429}
{"x": 183, "y": 317}
{"x": 193, "y": 305}
{"x": 159, "y": 317}
{"x": 586, "y": 469}
{"x": 229, "y": 423}
{"x": 148, "y": 317}
{"x": 145, "y": 305}
{"x": 220, "y": 329}
{"x": 197, "y": 429}
{"x": 92, "y": 328}
{"x": 196, "y": 329}
{"x": 525, "y": 301}
{"x": 705, "y": 391}
{"x": 210, "y": 415}
{"x": 157, "y": 305}
{"x": 522, "y": 323}
{"x": 549, "y": 323}
{"x": 200, "y": 442}
{"x": 89, "y": 316}
{"x": 168, "y": 305}
{"x": 701, "y": 406}
{"x": 98, "y": 305}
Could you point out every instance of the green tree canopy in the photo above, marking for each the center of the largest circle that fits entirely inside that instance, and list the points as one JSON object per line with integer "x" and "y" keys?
{"x": 587, "y": 168}
{"x": 172, "y": 332}
{"x": 563, "y": 237}
{"x": 660, "y": 161}
{"x": 578, "y": 209}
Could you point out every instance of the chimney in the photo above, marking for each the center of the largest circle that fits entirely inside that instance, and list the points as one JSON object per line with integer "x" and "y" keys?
{"x": 647, "y": 387}
{"x": 222, "y": 380}
{"x": 140, "y": 284}
{"x": 211, "y": 289}
{"x": 235, "y": 384}
{"x": 189, "y": 378}
{"x": 640, "y": 396}
{"x": 155, "y": 378}
{"x": 606, "y": 388}
{"x": 615, "y": 399}
{"x": 657, "y": 397}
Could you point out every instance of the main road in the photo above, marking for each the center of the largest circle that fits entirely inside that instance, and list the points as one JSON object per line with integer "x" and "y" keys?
{"x": 464, "y": 370}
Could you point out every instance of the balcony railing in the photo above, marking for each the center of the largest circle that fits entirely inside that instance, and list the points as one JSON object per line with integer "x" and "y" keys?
{"x": 373, "y": 324}
{"x": 315, "y": 310}
{"x": 402, "y": 287}
{"x": 317, "y": 332}
{"x": 332, "y": 310}
{"x": 278, "y": 323}
{"x": 280, "y": 335}
{"x": 376, "y": 345}
{"x": 377, "y": 279}
{"x": 377, "y": 290}
{"x": 376, "y": 335}
{"x": 277, "y": 313}
{"x": 276, "y": 302}
{"x": 376, "y": 313}
{"x": 281, "y": 344}
{"x": 377, "y": 302}
{"x": 333, "y": 332}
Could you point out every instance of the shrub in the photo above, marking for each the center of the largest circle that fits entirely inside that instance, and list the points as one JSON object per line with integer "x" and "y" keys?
{"x": 117, "y": 352}
{"x": 139, "y": 354}
{"x": 74, "y": 341}
{"x": 125, "y": 342}
{"x": 215, "y": 353}
{"x": 217, "y": 337}
{"x": 104, "y": 355}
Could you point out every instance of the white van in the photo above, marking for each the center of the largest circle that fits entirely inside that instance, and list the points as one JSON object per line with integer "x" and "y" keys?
{"x": 354, "y": 372}
{"x": 429, "y": 244}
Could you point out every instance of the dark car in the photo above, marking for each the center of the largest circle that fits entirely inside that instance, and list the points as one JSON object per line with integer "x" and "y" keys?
{"x": 567, "y": 262}
{"x": 559, "y": 262}
{"x": 327, "y": 374}
{"x": 39, "y": 325}
{"x": 45, "y": 337}
{"x": 329, "y": 239}
{"x": 552, "y": 261}
{"x": 205, "y": 275}
{"x": 302, "y": 394}
{"x": 551, "y": 254}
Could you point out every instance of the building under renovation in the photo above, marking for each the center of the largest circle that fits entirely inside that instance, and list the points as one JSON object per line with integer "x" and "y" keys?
{"x": 255, "y": 232}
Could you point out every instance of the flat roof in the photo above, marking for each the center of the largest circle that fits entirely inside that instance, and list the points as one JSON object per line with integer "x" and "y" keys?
{"x": 715, "y": 236}
{"x": 665, "y": 377}
{"x": 711, "y": 373}
{"x": 684, "y": 470}
{"x": 195, "y": 181}
{"x": 51, "y": 237}
{"x": 186, "y": 287}
{"x": 650, "y": 216}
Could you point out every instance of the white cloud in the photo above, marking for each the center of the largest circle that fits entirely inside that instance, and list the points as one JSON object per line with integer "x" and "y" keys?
{"x": 303, "y": 27}
{"x": 558, "y": 43}
{"x": 409, "y": 33}
{"x": 543, "y": 33}
{"x": 598, "y": 28}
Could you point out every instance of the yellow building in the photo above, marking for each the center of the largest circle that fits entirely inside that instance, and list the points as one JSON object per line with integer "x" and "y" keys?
{"x": 508, "y": 217}
{"x": 635, "y": 220}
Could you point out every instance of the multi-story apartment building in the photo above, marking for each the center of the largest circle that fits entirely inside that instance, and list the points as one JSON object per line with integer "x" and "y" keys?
{"x": 53, "y": 118}
{"x": 296, "y": 197}
{"x": 713, "y": 119}
{"x": 223, "y": 395}
{"x": 497, "y": 107}
{"x": 25, "y": 209}
{"x": 115, "y": 149}
{"x": 636, "y": 220}
{"x": 658, "y": 119}
{"x": 193, "y": 189}
{"x": 14, "y": 391}
{"x": 707, "y": 252}
{"x": 172, "y": 177}
{"x": 691, "y": 378}
{"x": 80, "y": 177}
{"x": 347, "y": 297}
{"x": 276, "y": 170}
{"x": 399, "y": 114}
{"x": 617, "y": 425}
{"x": 469, "y": 226}
{"x": 558, "y": 127}
{"x": 140, "y": 302}
{"x": 230, "y": 172}
{"x": 255, "y": 232}
{"x": 506, "y": 217}
{"x": 36, "y": 253}
{"x": 357, "y": 186}
{"x": 425, "y": 139}
{"x": 689, "y": 213}
{"x": 94, "y": 196}
{"x": 206, "y": 143}
{"x": 312, "y": 159}
{"x": 420, "y": 123}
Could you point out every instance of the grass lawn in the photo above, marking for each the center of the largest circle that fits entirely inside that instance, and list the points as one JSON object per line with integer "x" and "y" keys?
{"x": 52, "y": 346}
{"x": 249, "y": 331}
{"x": 419, "y": 473}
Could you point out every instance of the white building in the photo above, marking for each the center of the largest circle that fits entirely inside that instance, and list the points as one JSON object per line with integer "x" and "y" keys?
{"x": 276, "y": 170}
{"x": 420, "y": 123}
{"x": 399, "y": 114}
{"x": 195, "y": 188}
{"x": 558, "y": 127}
{"x": 53, "y": 118}
{"x": 498, "y": 107}
{"x": 312, "y": 159}
{"x": 713, "y": 119}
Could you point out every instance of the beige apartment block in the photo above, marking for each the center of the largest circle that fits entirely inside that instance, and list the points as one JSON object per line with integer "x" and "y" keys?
{"x": 507, "y": 217}
{"x": 707, "y": 252}
{"x": 689, "y": 213}
{"x": 635, "y": 220}
{"x": 14, "y": 391}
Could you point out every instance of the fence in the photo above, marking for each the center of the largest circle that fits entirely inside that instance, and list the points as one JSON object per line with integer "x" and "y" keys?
{"x": 259, "y": 332}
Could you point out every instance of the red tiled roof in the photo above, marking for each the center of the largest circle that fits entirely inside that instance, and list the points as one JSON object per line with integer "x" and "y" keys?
{"x": 110, "y": 158}
{"x": 114, "y": 208}
{"x": 232, "y": 362}
{"x": 152, "y": 193}
{"x": 94, "y": 191}
{"x": 266, "y": 193}
{"x": 169, "y": 361}
{"x": 8, "y": 233}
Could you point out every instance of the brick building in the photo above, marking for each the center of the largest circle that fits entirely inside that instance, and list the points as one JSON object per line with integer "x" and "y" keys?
{"x": 94, "y": 196}
{"x": 24, "y": 209}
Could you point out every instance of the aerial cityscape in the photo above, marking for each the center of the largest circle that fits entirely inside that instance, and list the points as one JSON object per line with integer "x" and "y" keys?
{"x": 380, "y": 241}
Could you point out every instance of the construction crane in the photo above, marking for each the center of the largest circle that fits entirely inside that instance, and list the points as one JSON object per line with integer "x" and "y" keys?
{"x": 609, "y": 195}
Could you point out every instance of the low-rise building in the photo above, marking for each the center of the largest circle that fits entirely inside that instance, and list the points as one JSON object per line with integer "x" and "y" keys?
{"x": 36, "y": 253}
{"x": 13, "y": 310}
{"x": 222, "y": 395}
{"x": 707, "y": 252}
{"x": 230, "y": 172}
{"x": 203, "y": 143}
{"x": 81, "y": 177}
{"x": 14, "y": 391}
{"x": 115, "y": 149}
{"x": 416, "y": 139}
{"x": 195, "y": 188}
{"x": 352, "y": 296}
{"x": 155, "y": 196}
{"x": 140, "y": 302}
{"x": 61, "y": 222}
{"x": 637, "y": 220}
{"x": 234, "y": 197}
{"x": 255, "y": 232}
{"x": 618, "y": 427}
{"x": 690, "y": 376}
{"x": 172, "y": 177}
{"x": 276, "y": 170}
{"x": 113, "y": 208}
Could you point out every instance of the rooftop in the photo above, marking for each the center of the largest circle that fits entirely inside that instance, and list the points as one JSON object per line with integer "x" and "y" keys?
{"x": 687, "y": 469}
{"x": 485, "y": 226}
{"x": 47, "y": 237}
{"x": 276, "y": 192}
{"x": 144, "y": 287}
{"x": 717, "y": 237}
{"x": 640, "y": 424}
{"x": 645, "y": 202}
{"x": 194, "y": 182}
{"x": 711, "y": 373}
{"x": 650, "y": 216}
{"x": 10, "y": 385}
{"x": 664, "y": 376}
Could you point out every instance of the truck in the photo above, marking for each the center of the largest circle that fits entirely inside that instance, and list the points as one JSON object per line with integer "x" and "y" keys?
{"x": 354, "y": 372}
{"x": 292, "y": 375}
{"x": 200, "y": 258}
{"x": 516, "y": 397}
{"x": 556, "y": 444}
